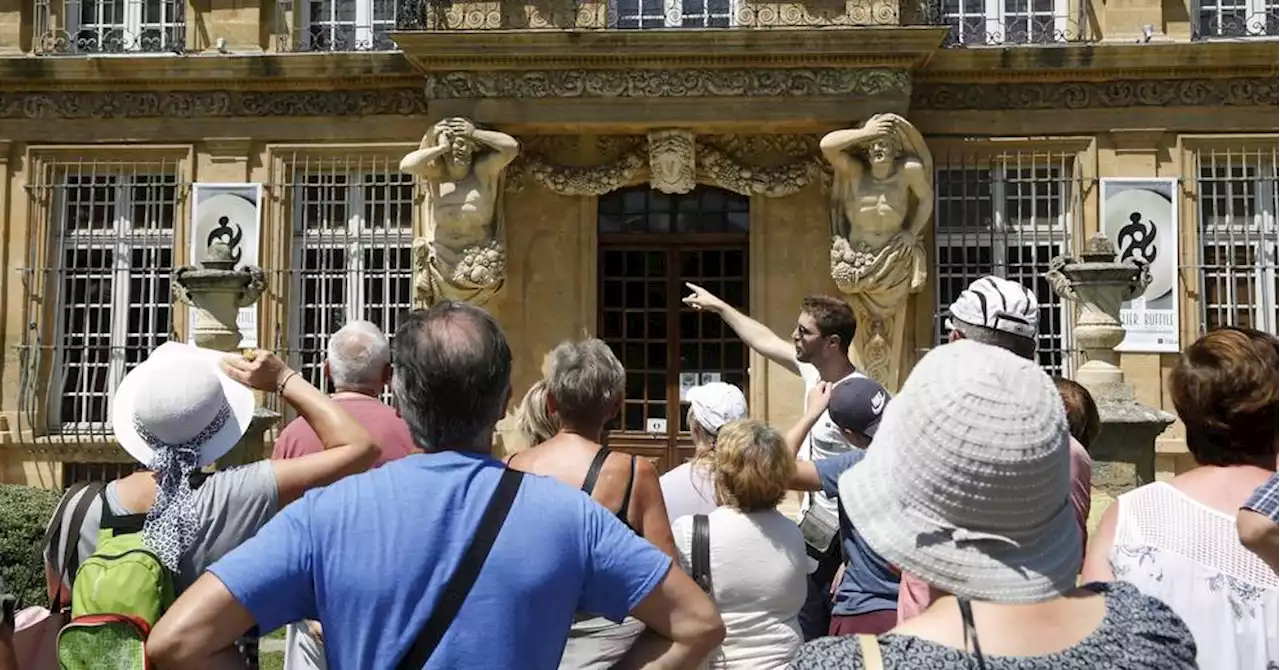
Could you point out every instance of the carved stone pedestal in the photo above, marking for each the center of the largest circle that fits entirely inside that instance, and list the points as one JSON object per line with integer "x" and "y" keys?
{"x": 1124, "y": 454}
{"x": 215, "y": 290}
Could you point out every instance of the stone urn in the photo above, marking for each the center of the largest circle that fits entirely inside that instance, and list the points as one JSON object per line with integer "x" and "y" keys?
{"x": 216, "y": 290}
{"x": 1124, "y": 452}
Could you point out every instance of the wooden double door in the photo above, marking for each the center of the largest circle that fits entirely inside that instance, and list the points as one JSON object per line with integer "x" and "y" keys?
{"x": 651, "y": 243}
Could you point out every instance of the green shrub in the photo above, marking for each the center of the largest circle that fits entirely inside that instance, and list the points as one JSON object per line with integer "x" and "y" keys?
{"x": 24, "y": 512}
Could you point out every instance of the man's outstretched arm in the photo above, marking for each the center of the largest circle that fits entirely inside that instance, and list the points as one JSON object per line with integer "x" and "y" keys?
{"x": 755, "y": 334}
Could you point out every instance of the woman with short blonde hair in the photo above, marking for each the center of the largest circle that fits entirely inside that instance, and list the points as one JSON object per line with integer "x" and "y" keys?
{"x": 756, "y": 555}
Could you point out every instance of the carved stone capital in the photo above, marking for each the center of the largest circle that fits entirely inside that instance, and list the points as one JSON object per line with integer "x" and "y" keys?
{"x": 667, "y": 83}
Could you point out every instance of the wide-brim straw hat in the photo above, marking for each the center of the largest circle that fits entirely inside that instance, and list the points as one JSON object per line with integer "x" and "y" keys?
{"x": 180, "y": 396}
{"x": 967, "y": 482}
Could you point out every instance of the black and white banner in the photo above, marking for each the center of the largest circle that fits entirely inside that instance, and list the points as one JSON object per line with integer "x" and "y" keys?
{"x": 232, "y": 214}
{"x": 1141, "y": 218}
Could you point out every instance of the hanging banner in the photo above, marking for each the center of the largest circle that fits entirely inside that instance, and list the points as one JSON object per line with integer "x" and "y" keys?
{"x": 232, "y": 214}
{"x": 1141, "y": 218}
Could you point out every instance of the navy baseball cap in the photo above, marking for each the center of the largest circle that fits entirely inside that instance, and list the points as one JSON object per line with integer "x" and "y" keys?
{"x": 857, "y": 404}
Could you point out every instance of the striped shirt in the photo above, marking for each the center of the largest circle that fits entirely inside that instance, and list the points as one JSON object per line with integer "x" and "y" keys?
{"x": 1265, "y": 500}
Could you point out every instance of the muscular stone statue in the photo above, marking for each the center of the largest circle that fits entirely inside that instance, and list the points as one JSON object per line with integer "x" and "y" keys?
{"x": 882, "y": 198}
{"x": 463, "y": 256}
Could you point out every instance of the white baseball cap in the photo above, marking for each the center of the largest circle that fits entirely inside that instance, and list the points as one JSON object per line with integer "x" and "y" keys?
{"x": 715, "y": 404}
{"x": 999, "y": 304}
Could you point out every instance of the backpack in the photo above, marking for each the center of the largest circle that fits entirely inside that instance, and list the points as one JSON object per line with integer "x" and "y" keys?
{"x": 117, "y": 596}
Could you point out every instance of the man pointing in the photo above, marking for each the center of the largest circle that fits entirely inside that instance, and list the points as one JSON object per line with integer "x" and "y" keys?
{"x": 818, "y": 352}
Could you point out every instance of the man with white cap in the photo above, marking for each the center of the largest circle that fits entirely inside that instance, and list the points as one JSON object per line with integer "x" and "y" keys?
{"x": 688, "y": 489}
{"x": 1004, "y": 314}
{"x": 818, "y": 352}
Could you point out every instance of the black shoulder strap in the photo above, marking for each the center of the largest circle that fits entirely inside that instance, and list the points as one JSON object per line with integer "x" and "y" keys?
{"x": 71, "y": 550}
{"x": 701, "y": 553}
{"x": 465, "y": 575}
{"x": 626, "y": 495}
{"x": 593, "y": 472}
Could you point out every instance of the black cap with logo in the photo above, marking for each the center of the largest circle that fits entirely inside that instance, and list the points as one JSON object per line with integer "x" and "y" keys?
{"x": 857, "y": 404}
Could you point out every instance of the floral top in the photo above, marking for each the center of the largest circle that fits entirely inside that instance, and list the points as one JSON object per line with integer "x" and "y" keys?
{"x": 1188, "y": 555}
{"x": 1137, "y": 633}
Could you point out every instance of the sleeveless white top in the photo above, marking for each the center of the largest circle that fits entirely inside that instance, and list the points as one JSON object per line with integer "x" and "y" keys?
{"x": 1189, "y": 555}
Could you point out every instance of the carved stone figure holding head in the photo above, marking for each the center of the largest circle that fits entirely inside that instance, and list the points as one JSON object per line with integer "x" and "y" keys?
{"x": 464, "y": 255}
{"x": 882, "y": 199}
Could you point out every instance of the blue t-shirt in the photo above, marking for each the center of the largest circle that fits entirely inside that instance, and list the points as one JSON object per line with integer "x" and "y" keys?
{"x": 869, "y": 584}
{"x": 368, "y": 557}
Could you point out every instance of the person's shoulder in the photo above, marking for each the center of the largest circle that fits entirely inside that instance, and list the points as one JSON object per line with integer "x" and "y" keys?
{"x": 808, "y": 373}
{"x": 829, "y": 653}
{"x": 1145, "y": 618}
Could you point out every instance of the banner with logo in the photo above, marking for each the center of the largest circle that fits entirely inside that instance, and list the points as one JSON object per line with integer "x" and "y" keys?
{"x": 232, "y": 214}
{"x": 1141, "y": 218}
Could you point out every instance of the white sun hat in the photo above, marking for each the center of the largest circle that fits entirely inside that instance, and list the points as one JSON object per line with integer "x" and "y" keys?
{"x": 967, "y": 483}
{"x": 716, "y": 403}
{"x": 180, "y": 397}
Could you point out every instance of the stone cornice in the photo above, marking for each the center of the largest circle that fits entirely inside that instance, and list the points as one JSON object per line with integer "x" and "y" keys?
{"x": 434, "y": 51}
{"x": 200, "y": 104}
{"x": 1102, "y": 62}
{"x": 1068, "y": 95}
{"x": 257, "y": 72}
{"x": 668, "y": 83}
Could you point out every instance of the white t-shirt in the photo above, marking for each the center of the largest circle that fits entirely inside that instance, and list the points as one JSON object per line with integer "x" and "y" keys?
{"x": 825, "y": 438}
{"x": 758, "y": 568}
{"x": 687, "y": 490}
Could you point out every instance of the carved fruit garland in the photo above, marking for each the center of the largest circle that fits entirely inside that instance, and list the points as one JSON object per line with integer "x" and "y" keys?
{"x": 714, "y": 166}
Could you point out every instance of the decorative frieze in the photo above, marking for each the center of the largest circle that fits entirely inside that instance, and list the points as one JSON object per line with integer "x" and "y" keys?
{"x": 1237, "y": 92}
{"x": 664, "y": 158}
{"x": 667, "y": 83}
{"x": 197, "y": 104}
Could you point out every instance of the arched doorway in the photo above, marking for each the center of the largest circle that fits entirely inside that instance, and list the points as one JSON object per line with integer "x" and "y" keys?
{"x": 650, "y": 244}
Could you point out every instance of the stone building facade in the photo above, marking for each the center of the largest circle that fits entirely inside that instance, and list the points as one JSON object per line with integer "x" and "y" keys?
{"x": 111, "y": 110}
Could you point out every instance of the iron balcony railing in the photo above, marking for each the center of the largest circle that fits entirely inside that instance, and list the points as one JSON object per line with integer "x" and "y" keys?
{"x": 1236, "y": 19}
{"x": 972, "y": 22}
{"x": 69, "y": 27}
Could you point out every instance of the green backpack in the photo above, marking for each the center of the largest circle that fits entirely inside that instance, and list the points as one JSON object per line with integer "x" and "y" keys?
{"x": 118, "y": 595}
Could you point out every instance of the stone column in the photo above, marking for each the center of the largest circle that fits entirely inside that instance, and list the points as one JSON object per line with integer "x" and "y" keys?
{"x": 1124, "y": 455}
{"x": 215, "y": 291}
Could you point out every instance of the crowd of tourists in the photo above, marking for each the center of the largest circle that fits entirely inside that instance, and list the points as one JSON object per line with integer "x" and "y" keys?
{"x": 944, "y": 526}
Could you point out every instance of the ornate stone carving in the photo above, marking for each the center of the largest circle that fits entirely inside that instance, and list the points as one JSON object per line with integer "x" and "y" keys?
{"x": 881, "y": 201}
{"x": 718, "y": 168}
{"x": 677, "y": 83}
{"x": 196, "y": 104}
{"x": 673, "y": 161}
{"x": 590, "y": 181}
{"x": 1237, "y": 92}
{"x": 216, "y": 290}
{"x": 1124, "y": 452}
{"x": 731, "y": 170}
{"x": 463, "y": 256}
{"x": 1100, "y": 284}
